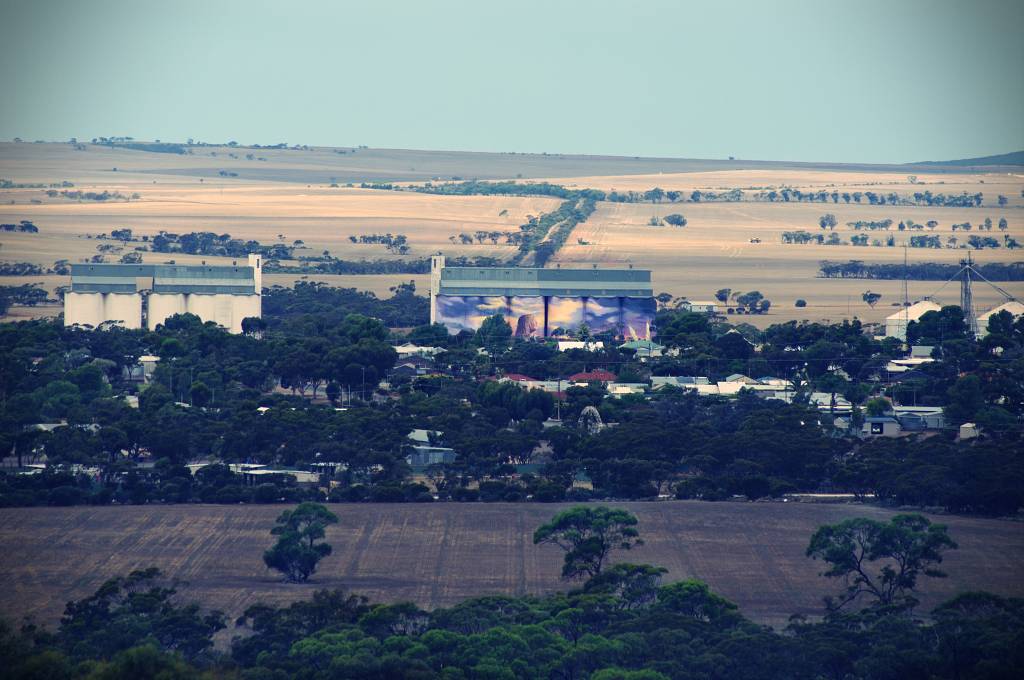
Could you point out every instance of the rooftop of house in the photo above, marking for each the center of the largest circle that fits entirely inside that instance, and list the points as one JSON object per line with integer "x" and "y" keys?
{"x": 597, "y": 375}
{"x": 641, "y": 345}
{"x": 518, "y": 377}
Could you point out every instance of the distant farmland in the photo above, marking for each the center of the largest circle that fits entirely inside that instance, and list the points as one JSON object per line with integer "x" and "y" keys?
{"x": 437, "y": 555}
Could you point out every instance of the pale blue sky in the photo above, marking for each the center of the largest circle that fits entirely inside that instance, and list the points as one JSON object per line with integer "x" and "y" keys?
{"x": 867, "y": 81}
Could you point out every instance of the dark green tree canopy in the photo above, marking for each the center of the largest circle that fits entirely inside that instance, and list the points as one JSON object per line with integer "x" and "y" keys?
{"x": 589, "y": 535}
{"x": 880, "y": 560}
{"x": 298, "y": 549}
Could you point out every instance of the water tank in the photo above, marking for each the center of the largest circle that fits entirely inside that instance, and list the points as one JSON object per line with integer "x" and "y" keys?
{"x": 162, "y": 306}
{"x": 84, "y": 309}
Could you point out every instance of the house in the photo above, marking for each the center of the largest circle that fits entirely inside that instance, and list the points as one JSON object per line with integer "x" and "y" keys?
{"x": 644, "y": 349}
{"x": 142, "y": 370}
{"x": 730, "y": 387}
{"x": 556, "y": 387}
{"x": 897, "y": 322}
{"x": 618, "y": 389}
{"x": 829, "y": 402}
{"x": 881, "y": 426}
{"x": 699, "y": 306}
{"x": 739, "y": 377}
{"x": 919, "y": 418}
{"x": 968, "y": 431}
{"x": 407, "y": 371}
{"x": 1016, "y": 309}
{"x": 597, "y": 375}
{"x": 410, "y": 350}
{"x": 681, "y": 381}
{"x": 263, "y": 475}
{"x": 921, "y": 351}
{"x": 781, "y": 391}
{"x": 421, "y": 456}
{"x": 517, "y": 377}
{"x": 586, "y": 346}
{"x": 423, "y": 436}
{"x": 907, "y": 364}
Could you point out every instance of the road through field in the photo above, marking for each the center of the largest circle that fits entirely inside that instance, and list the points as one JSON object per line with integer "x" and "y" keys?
{"x": 437, "y": 555}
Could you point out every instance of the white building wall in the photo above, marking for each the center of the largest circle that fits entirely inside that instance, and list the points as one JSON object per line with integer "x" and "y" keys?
{"x": 85, "y": 309}
{"x": 162, "y": 306}
{"x": 896, "y": 324}
{"x": 123, "y": 308}
{"x": 203, "y": 306}
{"x": 244, "y": 306}
{"x": 256, "y": 262}
{"x": 436, "y": 265}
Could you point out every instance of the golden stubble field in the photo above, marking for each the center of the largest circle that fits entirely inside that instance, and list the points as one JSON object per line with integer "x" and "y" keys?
{"x": 437, "y": 555}
{"x": 288, "y": 197}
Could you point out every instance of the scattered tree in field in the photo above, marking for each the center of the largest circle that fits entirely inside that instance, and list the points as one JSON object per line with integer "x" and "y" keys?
{"x": 907, "y": 546}
{"x": 827, "y": 221}
{"x": 722, "y": 294}
{"x": 871, "y": 298}
{"x": 1002, "y": 224}
{"x": 654, "y": 221}
{"x": 1002, "y": 200}
{"x": 589, "y": 535}
{"x": 297, "y": 550}
{"x": 676, "y": 220}
{"x": 801, "y": 303}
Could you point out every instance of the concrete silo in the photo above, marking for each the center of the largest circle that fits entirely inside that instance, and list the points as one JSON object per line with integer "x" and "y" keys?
{"x": 83, "y": 309}
{"x": 162, "y": 306}
{"x": 124, "y": 309}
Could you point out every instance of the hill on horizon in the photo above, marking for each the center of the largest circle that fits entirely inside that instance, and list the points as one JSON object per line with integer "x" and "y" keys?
{"x": 1012, "y": 158}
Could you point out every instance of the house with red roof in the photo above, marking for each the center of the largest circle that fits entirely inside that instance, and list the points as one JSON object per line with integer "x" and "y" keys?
{"x": 597, "y": 375}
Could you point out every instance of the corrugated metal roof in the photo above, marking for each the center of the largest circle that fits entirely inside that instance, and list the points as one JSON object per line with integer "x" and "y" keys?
{"x": 167, "y": 278}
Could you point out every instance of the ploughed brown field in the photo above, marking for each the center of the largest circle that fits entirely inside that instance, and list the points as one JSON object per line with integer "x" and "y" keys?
{"x": 438, "y": 555}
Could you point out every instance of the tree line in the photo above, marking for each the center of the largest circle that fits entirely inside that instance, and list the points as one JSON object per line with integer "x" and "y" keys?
{"x": 918, "y": 271}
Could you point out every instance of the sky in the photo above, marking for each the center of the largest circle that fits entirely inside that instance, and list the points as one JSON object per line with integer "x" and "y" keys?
{"x": 867, "y": 81}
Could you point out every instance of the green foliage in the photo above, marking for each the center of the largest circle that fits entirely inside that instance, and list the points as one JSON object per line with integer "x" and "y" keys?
{"x": 494, "y": 333}
{"x": 684, "y": 630}
{"x": 134, "y": 610}
{"x": 918, "y": 271}
{"x": 589, "y": 535}
{"x": 297, "y": 550}
{"x": 908, "y": 546}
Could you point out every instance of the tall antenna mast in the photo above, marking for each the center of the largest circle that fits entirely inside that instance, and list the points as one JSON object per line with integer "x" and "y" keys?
{"x": 906, "y": 293}
{"x": 966, "y": 296}
{"x": 906, "y": 275}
